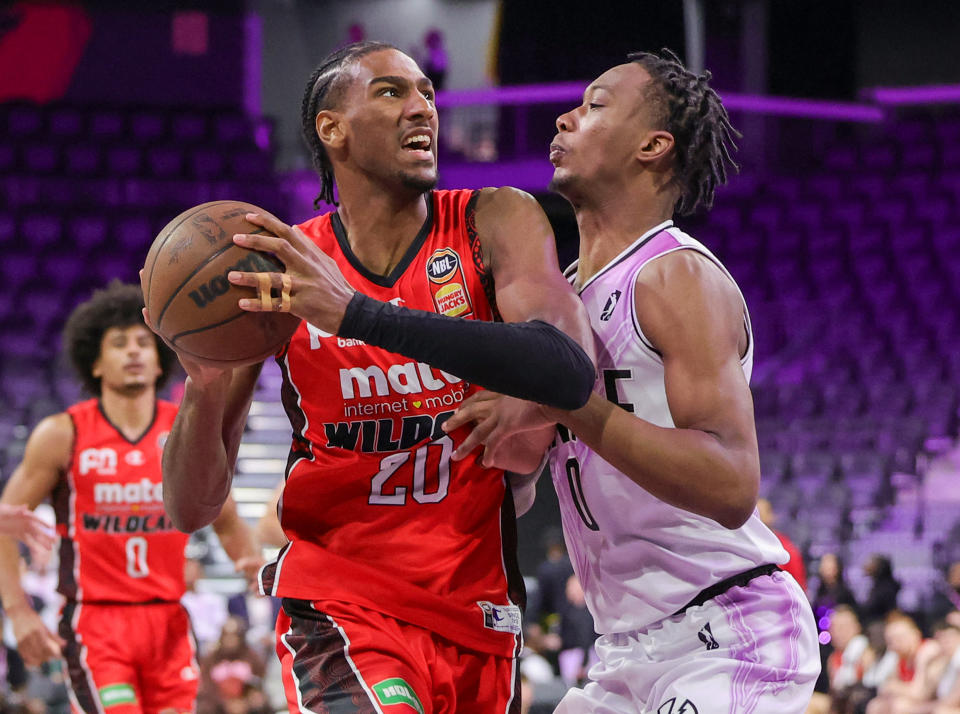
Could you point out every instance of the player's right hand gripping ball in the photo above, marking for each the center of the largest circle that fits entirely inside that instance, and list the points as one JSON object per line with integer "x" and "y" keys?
{"x": 190, "y": 301}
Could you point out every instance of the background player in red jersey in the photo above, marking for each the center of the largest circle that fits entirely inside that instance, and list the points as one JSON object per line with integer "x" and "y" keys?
{"x": 123, "y": 633}
{"x": 398, "y": 589}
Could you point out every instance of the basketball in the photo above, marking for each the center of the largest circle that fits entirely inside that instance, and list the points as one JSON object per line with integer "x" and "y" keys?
{"x": 189, "y": 299}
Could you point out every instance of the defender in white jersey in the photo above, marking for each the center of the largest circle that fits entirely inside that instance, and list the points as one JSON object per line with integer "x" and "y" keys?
{"x": 657, "y": 476}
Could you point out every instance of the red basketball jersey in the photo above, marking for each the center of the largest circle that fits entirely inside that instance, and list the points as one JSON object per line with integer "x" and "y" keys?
{"x": 117, "y": 543}
{"x": 376, "y": 512}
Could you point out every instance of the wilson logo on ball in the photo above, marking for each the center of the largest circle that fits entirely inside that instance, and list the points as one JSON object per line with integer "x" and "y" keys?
{"x": 252, "y": 263}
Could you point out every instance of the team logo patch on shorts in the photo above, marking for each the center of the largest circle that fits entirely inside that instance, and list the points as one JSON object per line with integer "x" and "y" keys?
{"x": 114, "y": 694}
{"x": 396, "y": 691}
{"x": 502, "y": 618}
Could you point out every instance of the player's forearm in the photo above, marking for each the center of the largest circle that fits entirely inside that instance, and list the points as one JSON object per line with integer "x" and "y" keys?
{"x": 196, "y": 475}
{"x": 12, "y": 594}
{"x": 529, "y": 360}
{"x": 687, "y": 468}
{"x": 237, "y": 539}
{"x": 201, "y": 451}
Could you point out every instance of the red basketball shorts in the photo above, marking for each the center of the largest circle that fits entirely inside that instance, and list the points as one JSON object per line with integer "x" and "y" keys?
{"x": 129, "y": 659}
{"x": 362, "y": 662}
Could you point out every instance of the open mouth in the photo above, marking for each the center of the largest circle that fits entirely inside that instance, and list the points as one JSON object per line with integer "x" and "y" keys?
{"x": 556, "y": 152}
{"x": 420, "y": 144}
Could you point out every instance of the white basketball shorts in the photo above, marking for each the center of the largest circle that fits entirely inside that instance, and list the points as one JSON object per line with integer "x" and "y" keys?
{"x": 750, "y": 650}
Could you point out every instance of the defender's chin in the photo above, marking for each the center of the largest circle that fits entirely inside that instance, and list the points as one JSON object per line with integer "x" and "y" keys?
{"x": 561, "y": 182}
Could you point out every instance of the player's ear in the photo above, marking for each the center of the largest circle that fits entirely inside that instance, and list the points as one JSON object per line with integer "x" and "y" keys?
{"x": 96, "y": 371}
{"x": 330, "y": 129}
{"x": 654, "y": 145}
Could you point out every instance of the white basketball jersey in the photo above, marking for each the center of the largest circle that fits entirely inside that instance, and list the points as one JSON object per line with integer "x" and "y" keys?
{"x": 639, "y": 559}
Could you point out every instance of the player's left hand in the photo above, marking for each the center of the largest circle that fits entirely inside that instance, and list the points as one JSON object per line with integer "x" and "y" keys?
{"x": 514, "y": 433}
{"x": 316, "y": 292}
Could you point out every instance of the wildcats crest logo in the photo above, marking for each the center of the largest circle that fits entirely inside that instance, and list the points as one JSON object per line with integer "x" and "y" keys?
{"x": 451, "y": 297}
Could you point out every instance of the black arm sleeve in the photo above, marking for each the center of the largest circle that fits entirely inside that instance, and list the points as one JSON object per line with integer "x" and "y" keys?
{"x": 530, "y": 360}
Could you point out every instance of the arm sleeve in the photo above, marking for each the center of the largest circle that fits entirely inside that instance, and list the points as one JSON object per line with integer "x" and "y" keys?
{"x": 529, "y": 360}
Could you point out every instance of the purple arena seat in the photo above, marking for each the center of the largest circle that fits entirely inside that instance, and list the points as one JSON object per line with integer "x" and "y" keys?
{"x": 134, "y": 233}
{"x": 165, "y": 162}
{"x": 106, "y": 126}
{"x": 188, "y": 128}
{"x": 65, "y": 124}
{"x": 41, "y": 158}
{"x": 148, "y": 127}
{"x": 88, "y": 233}
{"x": 230, "y": 129}
{"x": 23, "y": 121}
{"x": 41, "y": 230}
{"x": 124, "y": 160}
{"x": 8, "y": 159}
{"x": 83, "y": 159}
{"x": 207, "y": 163}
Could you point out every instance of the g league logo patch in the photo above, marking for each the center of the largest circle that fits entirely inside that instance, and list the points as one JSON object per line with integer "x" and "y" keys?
{"x": 670, "y": 707}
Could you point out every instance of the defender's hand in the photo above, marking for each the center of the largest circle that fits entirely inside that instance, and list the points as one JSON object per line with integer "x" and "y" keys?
{"x": 513, "y": 432}
{"x": 317, "y": 291}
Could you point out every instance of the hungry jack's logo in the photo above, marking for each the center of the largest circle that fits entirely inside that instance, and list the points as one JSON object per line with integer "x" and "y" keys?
{"x": 450, "y": 297}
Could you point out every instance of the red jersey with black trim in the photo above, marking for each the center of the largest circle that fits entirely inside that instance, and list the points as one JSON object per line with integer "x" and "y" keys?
{"x": 377, "y": 513}
{"x": 117, "y": 542}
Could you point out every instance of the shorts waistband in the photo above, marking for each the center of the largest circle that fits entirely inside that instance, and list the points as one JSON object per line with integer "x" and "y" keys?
{"x": 113, "y": 603}
{"x": 735, "y": 581}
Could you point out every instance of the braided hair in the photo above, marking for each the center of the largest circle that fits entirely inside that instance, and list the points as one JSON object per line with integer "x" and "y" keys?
{"x": 687, "y": 107}
{"x": 323, "y": 91}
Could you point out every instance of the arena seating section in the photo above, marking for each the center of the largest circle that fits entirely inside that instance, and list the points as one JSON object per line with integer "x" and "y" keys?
{"x": 849, "y": 258}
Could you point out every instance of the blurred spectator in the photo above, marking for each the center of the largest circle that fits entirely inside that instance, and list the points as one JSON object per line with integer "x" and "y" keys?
{"x": 947, "y": 636}
{"x": 208, "y": 610}
{"x": 882, "y": 598}
{"x": 945, "y": 597}
{"x": 577, "y": 635}
{"x": 913, "y": 680}
{"x": 794, "y": 566}
{"x": 543, "y": 609}
{"x": 851, "y": 658}
{"x": 433, "y": 58}
{"x": 231, "y": 676}
{"x": 831, "y": 588}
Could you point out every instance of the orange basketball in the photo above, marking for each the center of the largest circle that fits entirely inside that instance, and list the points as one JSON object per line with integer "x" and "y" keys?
{"x": 190, "y": 301}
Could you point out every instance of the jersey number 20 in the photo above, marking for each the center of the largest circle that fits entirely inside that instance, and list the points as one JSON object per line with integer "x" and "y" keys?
{"x": 390, "y": 465}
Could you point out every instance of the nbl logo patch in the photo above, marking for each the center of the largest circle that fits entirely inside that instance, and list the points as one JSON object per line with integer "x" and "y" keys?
{"x": 449, "y": 288}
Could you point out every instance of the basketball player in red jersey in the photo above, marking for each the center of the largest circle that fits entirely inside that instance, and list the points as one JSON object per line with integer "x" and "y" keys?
{"x": 123, "y": 633}
{"x": 400, "y": 587}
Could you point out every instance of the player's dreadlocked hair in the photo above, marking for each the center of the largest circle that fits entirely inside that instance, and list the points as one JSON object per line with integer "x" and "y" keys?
{"x": 323, "y": 91}
{"x": 117, "y": 305}
{"x": 689, "y": 109}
